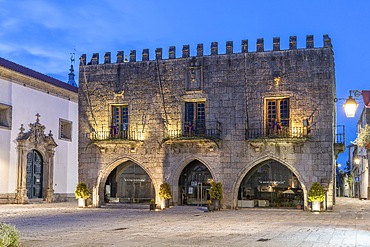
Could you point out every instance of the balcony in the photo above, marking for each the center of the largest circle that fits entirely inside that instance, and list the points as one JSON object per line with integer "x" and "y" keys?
{"x": 340, "y": 139}
{"x": 115, "y": 135}
{"x": 190, "y": 132}
{"x": 285, "y": 132}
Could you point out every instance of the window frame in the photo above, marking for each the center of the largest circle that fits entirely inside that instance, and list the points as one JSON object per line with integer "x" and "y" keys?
{"x": 61, "y": 135}
{"x": 198, "y": 122}
{"x": 279, "y": 115}
{"x": 5, "y": 116}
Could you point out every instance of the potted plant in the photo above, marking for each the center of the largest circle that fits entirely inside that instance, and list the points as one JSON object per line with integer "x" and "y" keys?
{"x": 82, "y": 193}
{"x": 152, "y": 205}
{"x": 215, "y": 193}
{"x": 363, "y": 137}
{"x": 316, "y": 196}
{"x": 166, "y": 194}
{"x": 106, "y": 197}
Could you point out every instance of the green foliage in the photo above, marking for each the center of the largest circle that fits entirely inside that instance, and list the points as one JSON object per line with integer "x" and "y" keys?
{"x": 216, "y": 190}
{"x": 9, "y": 235}
{"x": 363, "y": 137}
{"x": 316, "y": 193}
{"x": 165, "y": 191}
{"x": 82, "y": 191}
{"x": 152, "y": 201}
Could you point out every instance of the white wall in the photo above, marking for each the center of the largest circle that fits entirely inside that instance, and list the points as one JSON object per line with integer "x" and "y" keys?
{"x": 26, "y": 103}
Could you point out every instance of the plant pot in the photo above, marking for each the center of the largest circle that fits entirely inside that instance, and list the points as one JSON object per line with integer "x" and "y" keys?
{"x": 81, "y": 202}
{"x": 210, "y": 208}
{"x": 152, "y": 206}
{"x": 316, "y": 206}
{"x": 216, "y": 203}
{"x": 165, "y": 203}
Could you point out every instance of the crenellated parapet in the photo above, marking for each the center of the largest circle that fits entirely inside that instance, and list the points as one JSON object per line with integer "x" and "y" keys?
{"x": 214, "y": 50}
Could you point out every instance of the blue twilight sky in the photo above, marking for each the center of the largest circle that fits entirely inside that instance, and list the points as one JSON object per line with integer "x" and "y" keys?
{"x": 41, "y": 34}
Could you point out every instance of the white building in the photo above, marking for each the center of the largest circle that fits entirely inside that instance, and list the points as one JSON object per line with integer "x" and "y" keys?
{"x": 38, "y": 133}
{"x": 361, "y": 159}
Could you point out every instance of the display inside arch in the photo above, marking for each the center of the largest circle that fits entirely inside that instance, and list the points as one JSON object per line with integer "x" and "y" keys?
{"x": 194, "y": 184}
{"x": 270, "y": 184}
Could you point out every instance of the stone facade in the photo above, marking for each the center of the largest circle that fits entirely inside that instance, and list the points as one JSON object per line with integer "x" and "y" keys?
{"x": 236, "y": 88}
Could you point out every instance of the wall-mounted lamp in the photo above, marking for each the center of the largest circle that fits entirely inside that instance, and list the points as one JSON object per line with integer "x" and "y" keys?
{"x": 350, "y": 106}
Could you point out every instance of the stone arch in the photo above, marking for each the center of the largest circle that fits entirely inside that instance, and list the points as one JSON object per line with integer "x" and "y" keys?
{"x": 176, "y": 175}
{"x": 257, "y": 162}
{"x": 35, "y": 139}
{"x": 98, "y": 188}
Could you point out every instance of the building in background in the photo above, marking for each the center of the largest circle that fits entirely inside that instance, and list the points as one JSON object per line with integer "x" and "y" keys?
{"x": 262, "y": 123}
{"x": 359, "y": 160}
{"x": 38, "y": 132}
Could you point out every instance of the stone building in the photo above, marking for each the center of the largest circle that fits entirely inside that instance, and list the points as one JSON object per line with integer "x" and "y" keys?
{"x": 38, "y": 133}
{"x": 262, "y": 123}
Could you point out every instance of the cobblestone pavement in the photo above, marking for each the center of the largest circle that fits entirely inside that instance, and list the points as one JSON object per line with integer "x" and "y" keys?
{"x": 63, "y": 224}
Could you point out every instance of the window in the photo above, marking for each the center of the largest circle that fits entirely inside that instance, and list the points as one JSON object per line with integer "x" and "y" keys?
{"x": 65, "y": 130}
{"x": 119, "y": 127}
{"x": 5, "y": 116}
{"x": 195, "y": 121}
{"x": 277, "y": 113}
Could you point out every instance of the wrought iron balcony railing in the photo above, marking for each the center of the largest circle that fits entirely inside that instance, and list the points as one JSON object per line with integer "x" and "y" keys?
{"x": 114, "y": 135}
{"x": 340, "y": 134}
{"x": 194, "y": 133}
{"x": 212, "y": 131}
{"x": 284, "y": 132}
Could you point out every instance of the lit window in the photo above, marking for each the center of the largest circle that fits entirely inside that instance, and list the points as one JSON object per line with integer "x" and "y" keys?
{"x": 195, "y": 121}
{"x": 119, "y": 127}
{"x": 5, "y": 116}
{"x": 277, "y": 111}
{"x": 65, "y": 130}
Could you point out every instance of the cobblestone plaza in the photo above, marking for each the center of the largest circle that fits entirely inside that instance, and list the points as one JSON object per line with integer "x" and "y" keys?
{"x": 63, "y": 224}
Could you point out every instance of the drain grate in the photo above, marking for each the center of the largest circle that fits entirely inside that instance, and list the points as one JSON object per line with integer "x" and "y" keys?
{"x": 263, "y": 239}
{"x": 120, "y": 229}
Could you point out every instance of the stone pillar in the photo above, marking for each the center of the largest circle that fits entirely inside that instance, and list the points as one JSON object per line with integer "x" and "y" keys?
{"x": 214, "y": 48}
{"x": 145, "y": 55}
{"x": 172, "y": 52}
{"x": 50, "y": 183}
{"x": 107, "y": 57}
{"x": 309, "y": 42}
{"x": 199, "y": 50}
{"x": 185, "y": 51}
{"x": 276, "y": 44}
{"x": 244, "y": 46}
{"x": 133, "y": 56}
{"x": 293, "y": 43}
{"x": 229, "y": 47}
{"x": 21, "y": 175}
{"x": 260, "y": 45}
{"x": 95, "y": 58}
{"x": 119, "y": 57}
{"x": 158, "y": 53}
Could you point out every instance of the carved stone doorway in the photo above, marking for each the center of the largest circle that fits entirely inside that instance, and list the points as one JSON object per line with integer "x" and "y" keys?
{"x": 35, "y": 163}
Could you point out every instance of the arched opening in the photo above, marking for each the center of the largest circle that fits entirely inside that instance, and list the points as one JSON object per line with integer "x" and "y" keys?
{"x": 194, "y": 184}
{"x": 270, "y": 184}
{"x": 34, "y": 175}
{"x": 129, "y": 183}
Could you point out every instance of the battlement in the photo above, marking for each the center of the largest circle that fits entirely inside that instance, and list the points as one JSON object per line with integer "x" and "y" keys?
{"x": 260, "y": 47}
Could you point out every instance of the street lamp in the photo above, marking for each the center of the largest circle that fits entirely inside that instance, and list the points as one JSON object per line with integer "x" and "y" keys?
{"x": 350, "y": 106}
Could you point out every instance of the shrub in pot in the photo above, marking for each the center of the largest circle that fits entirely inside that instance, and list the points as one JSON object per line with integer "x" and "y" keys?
{"x": 216, "y": 194}
{"x": 166, "y": 194}
{"x": 9, "y": 235}
{"x": 82, "y": 193}
{"x": 316, "y": 196}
